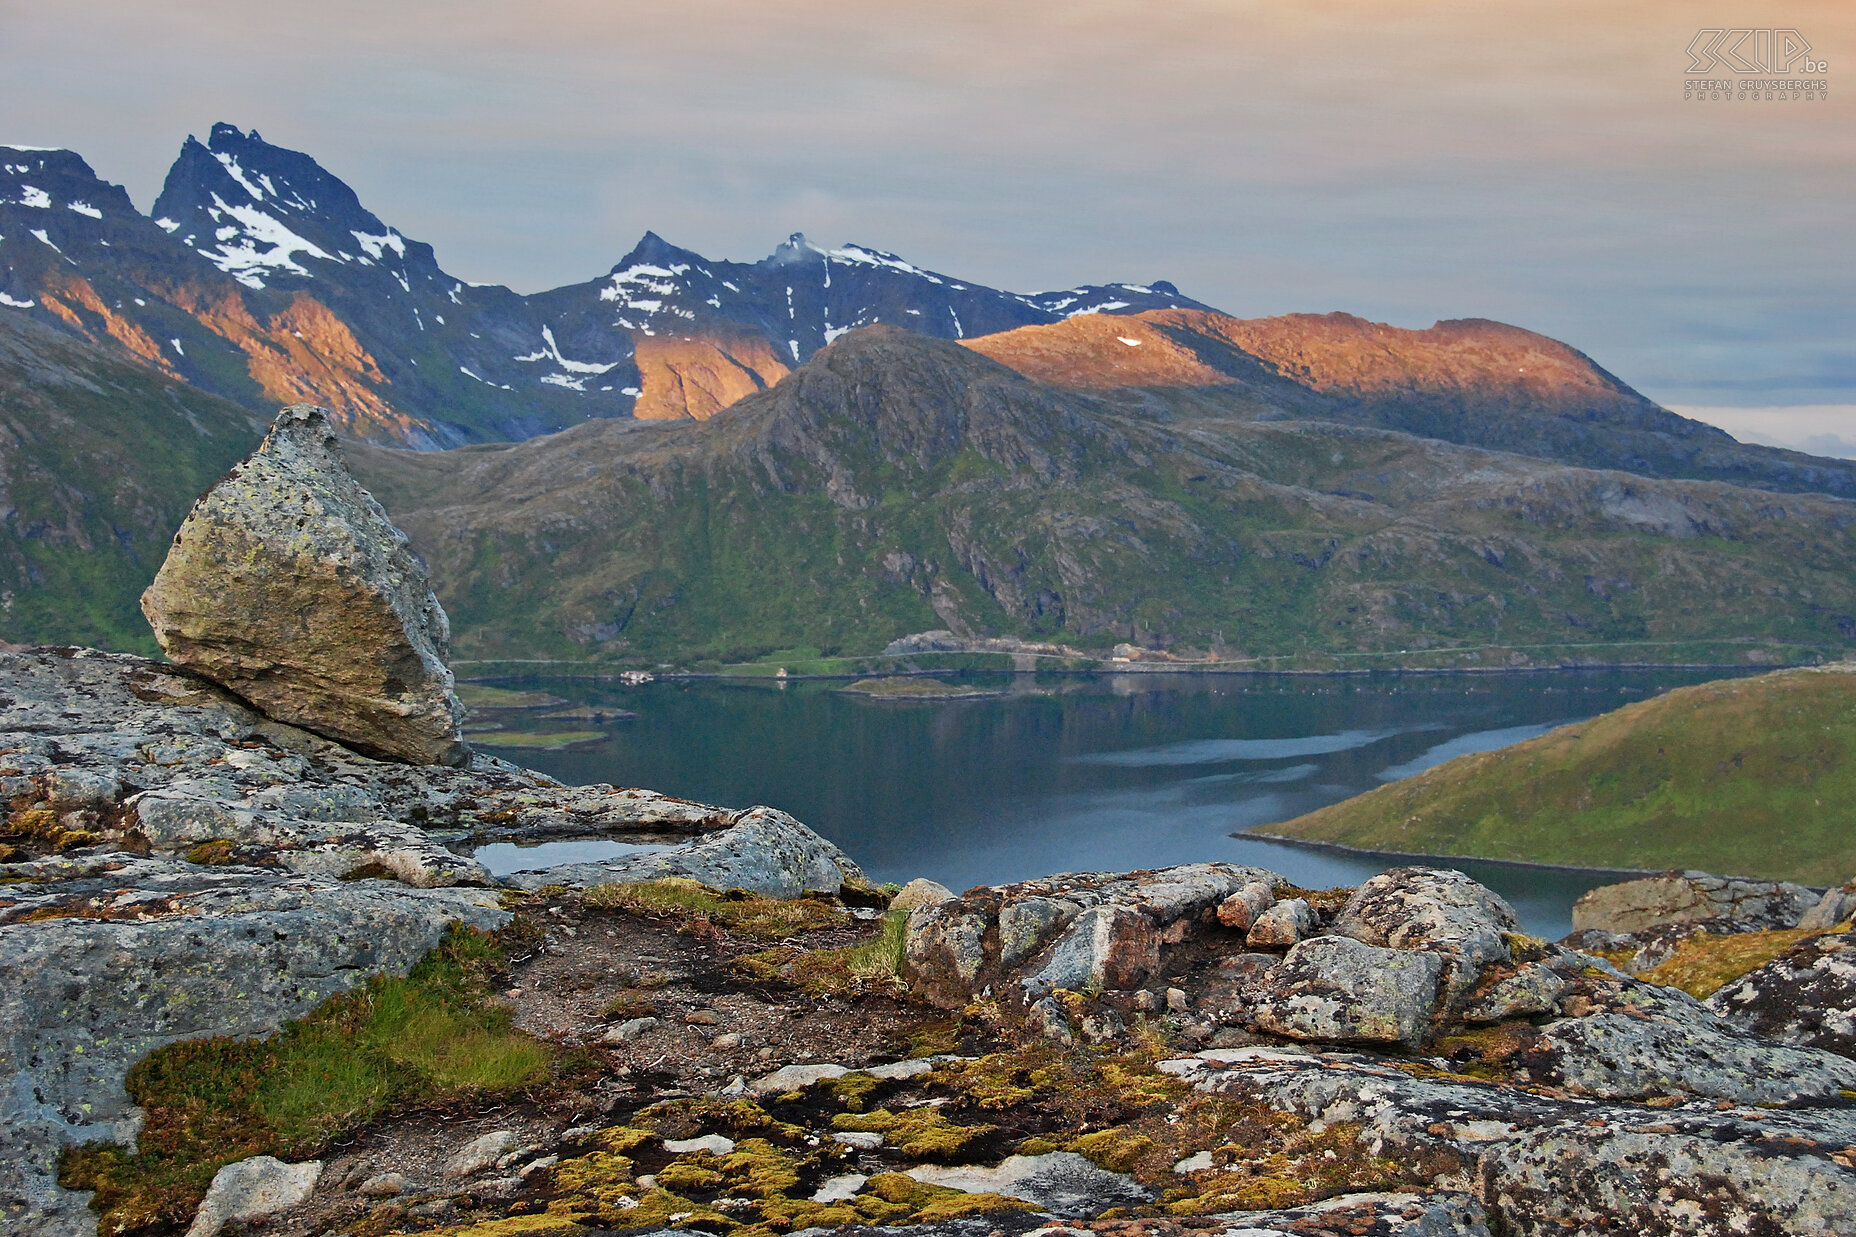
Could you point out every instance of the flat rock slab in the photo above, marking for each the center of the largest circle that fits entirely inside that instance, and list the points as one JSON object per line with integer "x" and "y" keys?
{"x": 253, "y": 1189}
{"x": 289, "y": 585}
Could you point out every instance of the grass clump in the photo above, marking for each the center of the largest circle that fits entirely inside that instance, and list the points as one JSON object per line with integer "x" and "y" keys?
{"x": 700, "y": 907}
{"x": 873, "y": 966}
{"x": 432, "y": 1036}
{"x": 1706, "y": 962}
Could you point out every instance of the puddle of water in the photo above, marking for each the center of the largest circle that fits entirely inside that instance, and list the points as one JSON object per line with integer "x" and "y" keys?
{"x": 502, "y": 858}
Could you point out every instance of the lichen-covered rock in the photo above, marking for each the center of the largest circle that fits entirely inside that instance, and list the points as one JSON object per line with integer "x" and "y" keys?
{"x": 1336, "y": 990}
{"x": 141, "y": 952}
{"x": 1805, "y": 996}
{"x": 1546, "y": 1166}
{"x": 1434, "y": 909}
{"x": 920, "y": 892}
{"x": 1077, "y": 930}
{"x": 1532, "y": 990}
{"x": 288, "y": 584}
{"x": 184, "y": 866}
{"x": 253, "y": 1189}
{"x": 1062, "y": 1183}
{"x": 1632, "y": 906}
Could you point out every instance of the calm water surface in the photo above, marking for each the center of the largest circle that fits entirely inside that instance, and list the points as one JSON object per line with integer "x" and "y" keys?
{"x": 1087, "y": 774}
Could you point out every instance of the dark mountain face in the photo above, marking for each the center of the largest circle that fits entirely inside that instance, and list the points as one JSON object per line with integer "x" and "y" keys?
{"x": 262, "y": 277}
{"x": 896, "y": 483}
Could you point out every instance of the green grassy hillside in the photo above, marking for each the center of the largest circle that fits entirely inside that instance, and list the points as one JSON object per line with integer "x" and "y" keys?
{"x": 100, "y": 459}
{"x": 896, "y": 483}
{"x": 1753, "y": 777}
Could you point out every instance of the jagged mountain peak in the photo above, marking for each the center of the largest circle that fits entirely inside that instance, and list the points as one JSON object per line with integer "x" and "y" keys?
{"x": 263, "y": 213}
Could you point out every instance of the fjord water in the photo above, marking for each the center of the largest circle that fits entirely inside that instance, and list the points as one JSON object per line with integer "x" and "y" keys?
{"x": 1105, "y": 773}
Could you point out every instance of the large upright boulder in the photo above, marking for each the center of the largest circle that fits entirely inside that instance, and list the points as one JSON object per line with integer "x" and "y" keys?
{"x": 288, "y": 584}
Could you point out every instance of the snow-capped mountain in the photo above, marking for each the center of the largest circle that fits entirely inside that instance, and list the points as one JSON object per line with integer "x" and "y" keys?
{"x": 259, "y": 275}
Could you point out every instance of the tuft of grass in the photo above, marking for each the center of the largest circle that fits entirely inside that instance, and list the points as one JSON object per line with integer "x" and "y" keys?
{"x": 430, "y": 1037}
{"x": 874, "y": 965}
{"x": 699, "y": 906}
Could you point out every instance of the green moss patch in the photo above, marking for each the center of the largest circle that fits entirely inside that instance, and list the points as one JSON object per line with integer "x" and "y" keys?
{"x": 431, "y": 1037}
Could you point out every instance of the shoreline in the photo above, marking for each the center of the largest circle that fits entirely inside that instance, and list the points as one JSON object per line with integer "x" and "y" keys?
{"x": 1369, "y": 853}
{"x": 1108, "y": 670}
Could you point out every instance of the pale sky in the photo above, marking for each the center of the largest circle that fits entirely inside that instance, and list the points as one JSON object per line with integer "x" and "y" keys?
{"x": 1512, "y": 159}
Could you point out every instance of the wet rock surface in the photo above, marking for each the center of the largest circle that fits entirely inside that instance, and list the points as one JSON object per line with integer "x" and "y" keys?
{"x": 288, "y": 584}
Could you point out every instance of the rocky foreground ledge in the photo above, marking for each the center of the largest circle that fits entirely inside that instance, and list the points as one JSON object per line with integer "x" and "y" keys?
{"x": 1202, "y": 1048}
{"x": 178, "y": 865}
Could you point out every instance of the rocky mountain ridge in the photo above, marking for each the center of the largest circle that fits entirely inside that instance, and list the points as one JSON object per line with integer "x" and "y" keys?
{"x": 262, "y": 278}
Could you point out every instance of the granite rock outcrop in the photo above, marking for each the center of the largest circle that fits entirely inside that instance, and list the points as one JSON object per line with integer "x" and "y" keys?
{"x": 288, "y": 584}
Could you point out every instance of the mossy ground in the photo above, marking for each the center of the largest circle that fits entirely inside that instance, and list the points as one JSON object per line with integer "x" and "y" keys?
{"x": 1750, "y": 777}
{"x": 430, "y": 1038}
{"x": 1706, "y": 962}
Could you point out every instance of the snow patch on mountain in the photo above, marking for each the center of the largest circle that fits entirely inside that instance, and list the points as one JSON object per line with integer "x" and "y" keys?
{"x": 29, "y": 196}
{"x": 245, "y": 259}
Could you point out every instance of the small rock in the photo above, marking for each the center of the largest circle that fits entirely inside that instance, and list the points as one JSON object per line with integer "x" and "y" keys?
{"x": 714, "y": 1144}
{"x": 702, "y": 1018}
{"x": 629, "y": 1030}
{"x": 1050, "y": 1020}
{"x": 726, "y": 1043}
{"x": 480, "y": 1153}
{"x": 384, "y": 1185}
{"x": 862, "y": 1142}
{"x": 895, "y": 1071}
{"x": 1282, "y": 925}
{"x": 1102, "y": 1026}
{"x": 1241, "y": 909}
{"x": 252, "y": 1189}
{"x": 795, "y": 1078}
{"x": 1176, "y": 1000}
{"x": 837, "y": 1189}
{"x": 921, "y": 892}
{"x": 1194, "y": 1163}
{"x": 535, "y": 1166}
